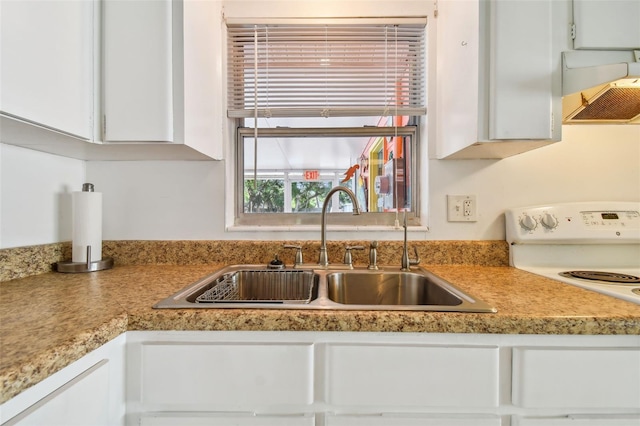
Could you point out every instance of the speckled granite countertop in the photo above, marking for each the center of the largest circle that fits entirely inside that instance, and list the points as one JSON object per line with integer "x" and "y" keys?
{"x": 47, "y": 321}
{"x": 50, "y": 320}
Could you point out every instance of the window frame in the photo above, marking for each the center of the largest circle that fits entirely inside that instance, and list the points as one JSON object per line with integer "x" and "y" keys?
{"x": 242, "y": 219}
{"x": 326, "y": 11}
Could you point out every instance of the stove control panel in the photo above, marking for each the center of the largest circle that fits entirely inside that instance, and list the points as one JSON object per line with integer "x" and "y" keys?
{"x": 611, "y": 219}
{"x": 575, "y": 223}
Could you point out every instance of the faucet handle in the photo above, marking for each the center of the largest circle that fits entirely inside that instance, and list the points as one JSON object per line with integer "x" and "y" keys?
{"x": 373, "y": 256}
{"x": 298, "y": 260}
{"x": 347, "y": 254}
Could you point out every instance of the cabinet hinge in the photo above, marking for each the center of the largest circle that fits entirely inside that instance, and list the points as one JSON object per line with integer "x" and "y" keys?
{"x": 573, "y": 31}
{"x": 435, "y": 9}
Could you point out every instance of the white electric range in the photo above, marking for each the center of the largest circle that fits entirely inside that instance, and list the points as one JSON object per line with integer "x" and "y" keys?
{"x": 593, "y": 245}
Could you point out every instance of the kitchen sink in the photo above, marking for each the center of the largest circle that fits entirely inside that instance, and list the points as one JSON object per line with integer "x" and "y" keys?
{"x": 387, "y": 288}
{"x": 258, "y": 287}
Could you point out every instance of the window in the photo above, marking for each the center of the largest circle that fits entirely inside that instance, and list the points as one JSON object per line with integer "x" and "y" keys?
{"x": 323, "y": 105}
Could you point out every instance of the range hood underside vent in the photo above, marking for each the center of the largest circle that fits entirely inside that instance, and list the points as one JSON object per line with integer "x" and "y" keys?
{"x": 604, "y": 104}
{"x": 617, "y": 103}
{"x": 600, "y": 87}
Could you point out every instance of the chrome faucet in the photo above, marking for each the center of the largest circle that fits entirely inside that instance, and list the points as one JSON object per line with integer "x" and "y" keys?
{"x": 322, "y": 259}
{"x": 406, "y": 262}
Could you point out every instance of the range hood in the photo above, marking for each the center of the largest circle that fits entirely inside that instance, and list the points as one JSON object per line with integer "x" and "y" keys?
{"x": 601, "y": 87}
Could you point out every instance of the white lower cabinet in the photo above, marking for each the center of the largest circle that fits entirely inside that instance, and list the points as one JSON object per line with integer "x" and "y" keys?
{"x": 579, "y": 420}
{"x": 226, "y": 419}
{"x": 412, "y": 420}
{"x": 411, "y": 376}
{"x": 229, "y": 376}
{"x": 89, "y": 392}
{"x": 565, "y": 377}
{"x": 81, "y": 401}
{"x": 265, "y": 378}
{"x": 381, "y": 379}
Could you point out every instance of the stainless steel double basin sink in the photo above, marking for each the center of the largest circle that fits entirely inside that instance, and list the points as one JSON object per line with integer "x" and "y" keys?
{"x": 257, "y": 287}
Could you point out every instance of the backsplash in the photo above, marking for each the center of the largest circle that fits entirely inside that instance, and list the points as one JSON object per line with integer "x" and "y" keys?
{"x": 22, "y": 262}
{"x": 25, "y": 261}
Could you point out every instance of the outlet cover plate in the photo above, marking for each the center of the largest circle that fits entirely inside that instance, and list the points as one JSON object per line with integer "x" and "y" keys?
{"x": 461, "y": 208}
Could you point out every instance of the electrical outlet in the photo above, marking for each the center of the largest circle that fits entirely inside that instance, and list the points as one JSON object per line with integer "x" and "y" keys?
{"x": 461, "y": 208}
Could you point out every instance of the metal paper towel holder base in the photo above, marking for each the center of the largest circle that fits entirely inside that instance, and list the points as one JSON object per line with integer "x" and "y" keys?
{"x": 88, "y": 266}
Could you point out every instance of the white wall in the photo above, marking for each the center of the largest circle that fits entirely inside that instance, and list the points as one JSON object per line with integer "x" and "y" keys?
{"x": 35, "y": 196}
{"x": 184, "y": 199}
{"x": 590, "y": 163}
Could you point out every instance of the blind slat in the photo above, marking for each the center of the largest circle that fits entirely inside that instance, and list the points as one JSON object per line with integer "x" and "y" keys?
{"x": 326, "y": 70}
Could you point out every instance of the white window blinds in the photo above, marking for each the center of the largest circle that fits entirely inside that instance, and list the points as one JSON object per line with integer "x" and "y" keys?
{"x": 294, "y": 70}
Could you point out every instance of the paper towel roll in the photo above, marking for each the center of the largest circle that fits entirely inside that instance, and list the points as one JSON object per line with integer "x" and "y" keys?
{"x": 87, "y": 226}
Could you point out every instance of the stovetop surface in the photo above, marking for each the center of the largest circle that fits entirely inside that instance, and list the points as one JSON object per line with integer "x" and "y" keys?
{"x": 595, "y": 236}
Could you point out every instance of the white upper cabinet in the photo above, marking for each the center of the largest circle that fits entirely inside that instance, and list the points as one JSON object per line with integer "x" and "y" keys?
{"x": 47, "y": 64}
{"x": 606, "y": 24}
{"x": 74, "y": 72}
{"x": 138, "y": 71}
{"x": 162, "y": 73}
{"x": 498, "y": 83}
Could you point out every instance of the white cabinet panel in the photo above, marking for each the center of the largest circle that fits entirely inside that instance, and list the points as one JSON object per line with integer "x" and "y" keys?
{"x": 138, "y": 70}
{"x": 89, "y": 391}
{"x": 412, "y": 420}
{"x": 82, "y": 401}
{"x": 581, "y": 420}
{"x": 162, "y": 73}
{"x": 412, "y": 376}
{"x": 607, "y": 24}
{"x": 226, "y": 377}
{"x": 520, "y": 86}
{"x": 586, "y": 377}
{"x": 209, "y": 419}
{"x": 47, "y": 64}
{"x": 498, "y": 77}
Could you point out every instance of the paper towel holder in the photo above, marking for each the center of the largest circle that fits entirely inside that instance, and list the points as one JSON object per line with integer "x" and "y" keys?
{"x": 88, "y": 266}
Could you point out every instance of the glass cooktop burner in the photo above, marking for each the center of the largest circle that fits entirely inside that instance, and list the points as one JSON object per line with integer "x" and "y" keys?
{"x": 607, "y": 277}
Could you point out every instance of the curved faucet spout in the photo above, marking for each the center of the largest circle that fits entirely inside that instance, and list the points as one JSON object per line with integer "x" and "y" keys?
{"x": 323, "y": 259}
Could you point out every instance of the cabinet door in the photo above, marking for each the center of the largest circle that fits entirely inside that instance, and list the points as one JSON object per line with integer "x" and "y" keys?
{"x": 47, "y": 64}
{"x": 520, "y": 70}
{"x": 413, "y": 420}
{"x": 397, "y": 376}
{"x": 230, "y": 419}
{"x": 579, "y": 420}
{"x": 82, "y": 401}
{"x": 225, "y": 376}
{"x": 576, "y": 378}
{"x": 138, "y": 70}
{"x": 606, "y": 24}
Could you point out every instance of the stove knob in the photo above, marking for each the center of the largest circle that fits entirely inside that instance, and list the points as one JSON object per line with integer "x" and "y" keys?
{"x": 528, "y": 223}
{"x": 549, "y": 221}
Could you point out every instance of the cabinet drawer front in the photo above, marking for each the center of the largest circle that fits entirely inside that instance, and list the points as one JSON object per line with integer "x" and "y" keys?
{"x": 195, "y": 419}
{"x": 413, "y": 420}
{"x": 586, "y": 420}
{"x": 582, "y": 378}
{"x": 226, "y": 376}
{"x": 412, "y": 376}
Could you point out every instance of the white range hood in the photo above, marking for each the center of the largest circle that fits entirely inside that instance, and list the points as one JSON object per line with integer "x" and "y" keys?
{"x": 601, "y": 86}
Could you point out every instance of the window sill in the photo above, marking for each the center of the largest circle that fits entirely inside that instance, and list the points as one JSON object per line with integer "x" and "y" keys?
{"x": 330, "y": 228}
